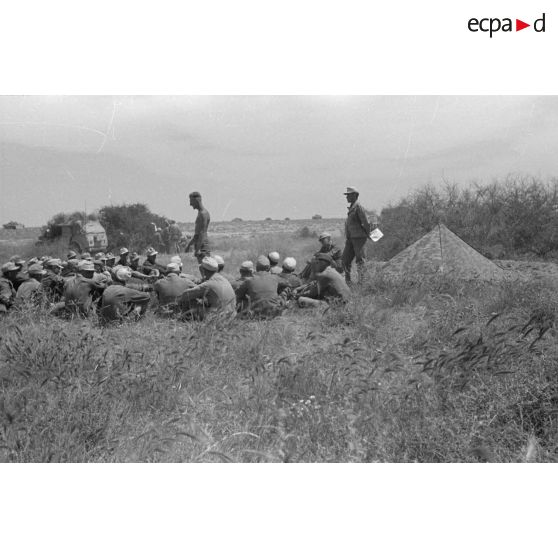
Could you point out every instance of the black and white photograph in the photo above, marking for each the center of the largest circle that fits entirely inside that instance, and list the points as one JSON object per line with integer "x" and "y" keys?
{"x": 279, "y": 278}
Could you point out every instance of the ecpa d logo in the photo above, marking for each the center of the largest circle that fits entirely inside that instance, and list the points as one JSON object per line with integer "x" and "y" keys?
{"x": 492, "y": 25}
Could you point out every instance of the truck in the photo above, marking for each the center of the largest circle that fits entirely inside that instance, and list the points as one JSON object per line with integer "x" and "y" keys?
{"x": 90, "y": 237}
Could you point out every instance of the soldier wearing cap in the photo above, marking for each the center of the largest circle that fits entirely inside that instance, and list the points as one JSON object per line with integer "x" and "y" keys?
{"x": 122, "y": 301}
{"x": 20, "y": 276}
{"x": 7, "y": 291}
{"x": 258, "y": 296}
{"x": 287, "y": 273}
{"x": 170, "y": 289}
{"x": 149, "y": 265}
{"x": 53, "y": 282}
{"x": 102, "y": 274}
{"x": 274, "y": 258}
{"x": 246, "y": 271}
{"x": 72, "y": 255}
{"x": 213, "y": 295}
{"x": 123, "y": 259}
{"x": 79, "y": 291}
{"x": 357, "y": 230}
{"x": 200, "y": 239}
{"x": 178, "y": 260}
{"x": 31, "y": 290}
{"x": 326, "y": 284}
{"x": 327, "y": 247}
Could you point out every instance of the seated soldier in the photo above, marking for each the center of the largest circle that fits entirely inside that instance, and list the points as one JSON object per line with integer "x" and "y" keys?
{"x": 79, "y": 291}
{"x": 170, "y": 289}
{"x": 7, "y": 291}
{"x": 31, "y": 290}
{"x": 214, "y": 295}
{"x": 258, "y": 296}
{"x": 327, "y": 247}
{"x": 53, "y": 282}
{"x": 150, "y": 264}
{"x": 21, "y": 275}
{"x": 274, "y": 266}
{"x": 178, "y": 260}
{"x": 123, "y": 259}
{"x": 121, "y": 302}
{"x": 246, "y": 271}
{"x": 326, "y": 284}
{"x": 287, "y": 273}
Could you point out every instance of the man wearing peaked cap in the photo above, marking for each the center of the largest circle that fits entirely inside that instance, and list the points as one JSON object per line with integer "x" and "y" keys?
{"x": 200, "y": 240}
{"x": 357, "y": 230}
{"x": 213, "y": 295}
{"x": 72, "y": 255}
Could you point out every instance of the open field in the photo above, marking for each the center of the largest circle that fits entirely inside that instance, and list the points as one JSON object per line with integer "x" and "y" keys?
{"x": 409, "y": 371}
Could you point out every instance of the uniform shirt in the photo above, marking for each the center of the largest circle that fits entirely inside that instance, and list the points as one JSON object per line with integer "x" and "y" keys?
{"x": 7, "y": 294}
{"x": 217, "y": 293}
{"x": 329, "y": 284}
{"x": 171, "y": 288}
{"x": 79, "y": 291}
{"x": 356, "y": 225}
{"x": 118, "y": 301}
{"x": 262, "y": 291}
{"x": 335, "y": 253}
{"x": 29, "y": 291}
{"x": 292, "y": 280}
{"x": 237, "y": 282}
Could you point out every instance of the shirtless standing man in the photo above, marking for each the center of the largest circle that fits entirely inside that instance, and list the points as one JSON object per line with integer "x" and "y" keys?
{"x": 200, "y": 239}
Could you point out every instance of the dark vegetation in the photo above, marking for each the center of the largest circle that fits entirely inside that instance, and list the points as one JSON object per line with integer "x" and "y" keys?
{"x": 515, "y": 217}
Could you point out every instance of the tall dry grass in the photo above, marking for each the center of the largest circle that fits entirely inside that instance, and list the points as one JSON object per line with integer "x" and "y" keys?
{"x": 432, "y": 371}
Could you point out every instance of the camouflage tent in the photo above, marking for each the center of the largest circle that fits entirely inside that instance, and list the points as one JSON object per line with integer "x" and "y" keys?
{"x": 441, "y": 251}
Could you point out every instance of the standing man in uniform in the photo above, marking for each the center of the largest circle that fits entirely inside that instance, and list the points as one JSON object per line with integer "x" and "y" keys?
{"x": 200, "y": 239}
{"x": 357, "y": 230}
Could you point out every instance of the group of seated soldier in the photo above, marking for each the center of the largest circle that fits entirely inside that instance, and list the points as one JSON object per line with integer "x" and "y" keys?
{"x": 119, "y": 289}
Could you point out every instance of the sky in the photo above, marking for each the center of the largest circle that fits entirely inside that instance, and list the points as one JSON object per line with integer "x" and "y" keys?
{"x": 256, "y": 157}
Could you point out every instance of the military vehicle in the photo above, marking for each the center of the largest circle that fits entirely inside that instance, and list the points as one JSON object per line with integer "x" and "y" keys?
{"x": 90, "y": 237}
